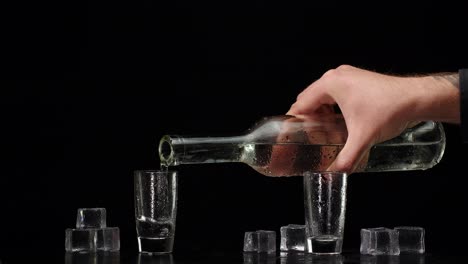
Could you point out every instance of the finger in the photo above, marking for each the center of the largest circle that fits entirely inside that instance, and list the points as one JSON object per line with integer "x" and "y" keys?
{"x": 362, "y": 164}
{"x": 301, "y": 94}
{"x": 283, "y": 154}
{"x": 282, "y": 160}
{"x": 351, "y": 155}
{"x": 312, "y": 99}
{"x": 413, "y": 124}
{"x": 325, "y": 109}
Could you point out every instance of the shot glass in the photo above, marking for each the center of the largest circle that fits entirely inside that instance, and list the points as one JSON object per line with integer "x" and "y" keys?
{"x": 325, "y": 206}
{"x": 155, "y": 210}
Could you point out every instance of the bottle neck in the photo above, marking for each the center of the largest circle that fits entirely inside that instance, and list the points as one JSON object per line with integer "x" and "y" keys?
{"x": 176, "y": 150}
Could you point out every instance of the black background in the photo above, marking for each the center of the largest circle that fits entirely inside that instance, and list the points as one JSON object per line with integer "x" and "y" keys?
{"x": 90, "y": 87}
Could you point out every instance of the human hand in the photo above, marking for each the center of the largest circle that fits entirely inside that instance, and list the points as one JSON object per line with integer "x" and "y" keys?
{"x": 377, "y": 107}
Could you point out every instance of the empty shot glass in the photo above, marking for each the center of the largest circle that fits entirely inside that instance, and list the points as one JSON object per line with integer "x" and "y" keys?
{"x": 155, "y": 210}
{"x": 325, "y": 205}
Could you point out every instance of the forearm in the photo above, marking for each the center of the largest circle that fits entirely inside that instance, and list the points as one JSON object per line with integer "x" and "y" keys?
{"x": 438, "y": 98}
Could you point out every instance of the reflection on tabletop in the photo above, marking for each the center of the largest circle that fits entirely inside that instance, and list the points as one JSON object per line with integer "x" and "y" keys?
{"x": 290, "y": 258}
{"x": 155, "y": 259}
{"x": 114, "y": 258}
{"x": 92, "y": 258}
{"x": 249, "y": 258}
{"x": 402, "y": 258}
{"x": 301, "y": 258}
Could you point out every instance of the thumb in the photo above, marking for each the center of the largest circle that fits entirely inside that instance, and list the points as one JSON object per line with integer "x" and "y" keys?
{"x": 350, "y": 156}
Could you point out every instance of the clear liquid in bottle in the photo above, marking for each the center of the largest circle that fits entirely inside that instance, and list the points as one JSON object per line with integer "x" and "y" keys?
{"x": 291, "y": 146}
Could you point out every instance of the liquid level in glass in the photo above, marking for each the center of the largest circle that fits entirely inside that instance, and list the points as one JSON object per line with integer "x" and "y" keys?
{"x": 148, "y": 228}
{"x": 324, "y": 244}
{"x": 159, "y": 245}
{"x": 296, "y": 159}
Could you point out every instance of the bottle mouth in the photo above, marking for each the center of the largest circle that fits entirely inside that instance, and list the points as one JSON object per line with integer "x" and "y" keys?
{"x": 166, "y": 152}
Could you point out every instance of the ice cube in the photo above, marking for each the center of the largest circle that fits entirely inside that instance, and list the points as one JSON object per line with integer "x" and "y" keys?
{"x": 411, "y": 239}
{"x": 108, "y": 239}
{"x": 292, "y": 238}
{"x": 260, "y": 241}
{"x": 379, "y": 241}
{"x": 91, "y": 218}
{"x": 80, "y": 240}
{"x": 92, "y": 239}
{"x": 250, "y": 241}
{"x": 266, "y": 241}
{"x": 91, "y": 234}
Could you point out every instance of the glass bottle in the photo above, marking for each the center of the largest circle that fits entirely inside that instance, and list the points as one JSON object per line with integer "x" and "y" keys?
{"x": 289, "y": 145}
